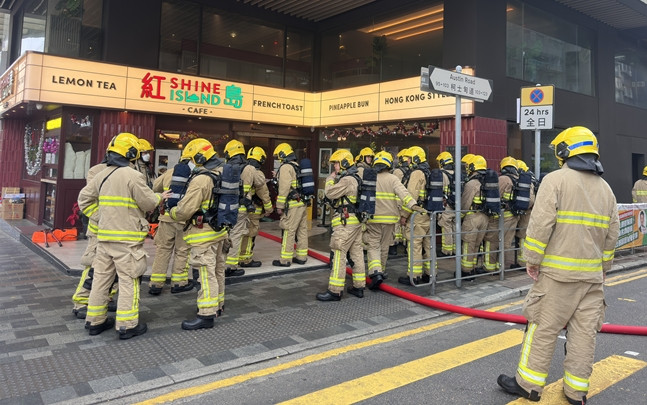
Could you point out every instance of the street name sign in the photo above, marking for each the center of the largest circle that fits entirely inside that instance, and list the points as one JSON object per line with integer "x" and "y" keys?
{"x": 443, "y": 81}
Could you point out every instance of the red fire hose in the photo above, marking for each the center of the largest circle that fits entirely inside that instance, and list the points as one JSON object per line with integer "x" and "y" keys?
{"x": 477, "y": 313}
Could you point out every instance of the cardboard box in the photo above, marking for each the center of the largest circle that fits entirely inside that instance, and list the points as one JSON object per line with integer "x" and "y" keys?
{"x": 10, "y": 190}
{"x": 12, "y": 211}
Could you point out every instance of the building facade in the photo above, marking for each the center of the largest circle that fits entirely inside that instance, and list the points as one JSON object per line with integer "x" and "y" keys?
{"x": 319, "y": 75}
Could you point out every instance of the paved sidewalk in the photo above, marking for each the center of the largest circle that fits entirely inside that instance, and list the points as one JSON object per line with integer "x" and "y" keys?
{"x": 46, "y": 356}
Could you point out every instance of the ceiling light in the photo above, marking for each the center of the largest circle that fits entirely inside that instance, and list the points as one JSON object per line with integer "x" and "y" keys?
{"x": 404, "y": 19}
{"x": 413, "y": 34}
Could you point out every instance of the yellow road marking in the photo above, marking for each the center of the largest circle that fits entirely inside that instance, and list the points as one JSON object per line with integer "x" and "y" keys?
{"x": 606, "y": 372}
{"x": 626, "y": 299}
{"x": 639, "y": 274}
{"x": 625, "y": 275}
{"x": 371, "y": 385}
{"x": 201, "y": 389}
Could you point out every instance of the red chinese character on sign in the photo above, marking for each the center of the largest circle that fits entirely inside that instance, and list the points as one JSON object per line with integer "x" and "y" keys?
{"x": 150, "y": 89}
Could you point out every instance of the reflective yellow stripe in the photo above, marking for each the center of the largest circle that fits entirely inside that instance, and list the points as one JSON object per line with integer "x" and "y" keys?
{"x": 608, "y": 255}
{"x": 582, "y": 218}
{"x": 641, "y": 192}
{"x": 117, "y": 201}
{"x": 90, "y": 209}
{"x": 205, "y": 236}
{"x": 351, "y": 220}
{"x": 97, "y": 310}
{"x": 107, "y": 234}
{"x": 577, "y": 383}
{"x": 534, "y": 245}
{"x": 572, "y": 264}
{"x": 380, "y": 195}
{"x": 94, "y": 228}
{"x": 384, "y": 219}
{"x": 527, "y": 374}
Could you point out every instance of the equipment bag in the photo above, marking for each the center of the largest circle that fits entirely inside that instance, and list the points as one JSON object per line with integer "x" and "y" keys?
{"x": 179, "y": 180}
{"x": 366, "y": 201}
{"x": 521, "y": 200}
{"x": 435, "y": 193}
{"x": 306, "y": 180}
{"x": 450, "y": 197}
{"x": 223, "y": 203}
{"x": 490, "y": 191}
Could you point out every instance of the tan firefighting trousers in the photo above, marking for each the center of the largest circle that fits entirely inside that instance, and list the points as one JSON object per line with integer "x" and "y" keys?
{"x": 491, "y": 258}
{"x": 421, "y": 244}
{"x": 210, "y": 261}
{"x": 236, "y": 236}
{"x": 378, "y": 238}
{"x": 128, "y": 262}
{"x": 168, "y": 239}
{"x": 522, "y": 226}
{"x": 549, "y": 306}
{"x": 247, "y": 243}
{"x": 295, "y": 226}
{"x": 346, "y": 238}
{"x": 473, "y": 231}
{"x": 82, "y": 294}
{"x": 447, "y": 222}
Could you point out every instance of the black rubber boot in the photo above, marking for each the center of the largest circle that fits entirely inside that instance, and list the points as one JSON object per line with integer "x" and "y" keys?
{"x": 328, "y": 296}
{"x": 253, "y": 263}
{"x": 298, "y": 261}
{"x": 152, "y": 290}
{"x": 234, "y": 272}
{"x": 140, "y": 329}
{"x": 80, "y": 313}
{"x": 406, "y": 281}
{"x": 96, "y": 329}
{"x": 198, "y": 323}
{"x": 510, "y": 385}
{"x": 178, "y": 289}
{"x": 279, "y": 263}
{"x": 358, "y": 292}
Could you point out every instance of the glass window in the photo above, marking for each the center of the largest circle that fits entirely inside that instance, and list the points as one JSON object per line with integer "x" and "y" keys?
{"x": 78, "y": 144}
{"x": 180, "y": 29}
{"x": 5, "y": 22}
{"x": 33, "y": 26}
{"x": 298, "y": 69}
{"x": 384, "y": 48}
{"x": 541, "y": 48}
{"x": 630, "y": 76}
{"x": 236, "y": 48}
{"x": 74, "y": 28}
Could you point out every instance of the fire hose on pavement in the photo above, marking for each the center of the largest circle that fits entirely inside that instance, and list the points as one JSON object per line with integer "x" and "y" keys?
{"x": 477, "y": 313}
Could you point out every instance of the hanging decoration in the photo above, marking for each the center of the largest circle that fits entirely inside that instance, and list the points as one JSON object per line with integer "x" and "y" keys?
{"x": 51, "y": 145}
{"x": 83, "y": 122}
{"x": 34, "y": 149}
{"x": 417, "y": 129}
{"x": 185, "y": 137}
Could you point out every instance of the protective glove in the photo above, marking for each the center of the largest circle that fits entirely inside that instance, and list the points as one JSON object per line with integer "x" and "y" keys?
{"x": 419, "y": 209}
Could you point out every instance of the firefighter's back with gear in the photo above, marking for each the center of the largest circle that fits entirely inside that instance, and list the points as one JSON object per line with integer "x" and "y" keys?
{"x": 169, "y": 241}
{"x": 123, "y": 199}
{"x": 342, "y": 188}
{"x": 206, "y": 243}
{"x": 390, "y": 197}
{"x": 402, "y": 172}
{"x": 419, "y": 186}
{"x": 447, "y": 219}
{"x": 465, "y": 161}
{"x": 524, "y": 218}
{"x": 507, "y": 183}
{"x": 569, "y": 248}
{"x": 475, "y": 221}
{"x": 262, "y": 203}
{"x": 639, "y": 190}
{"x": 292, "y": 208}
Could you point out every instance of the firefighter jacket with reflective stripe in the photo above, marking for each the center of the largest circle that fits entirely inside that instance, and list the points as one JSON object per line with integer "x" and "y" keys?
{"x": 123, "y": 200}
{"x": 288, "y": 187}
{"x": 417, "y": 187}
{"x": 506, "y": 190}
{"x": 573, "y": 226}
{"x": 447, "y": 182}
{"x": 639, "y": 191}
{"x": 390, "y": 197}
{"x": 92, "y": 210}
{"x": 471, "y": 198}
{"x": 145, "y": 169}
{"x": 343, "y": 194}
{"x": 254, "y": 184}
{"x": 163, "y": 183}
{"x": 196, "y": 200}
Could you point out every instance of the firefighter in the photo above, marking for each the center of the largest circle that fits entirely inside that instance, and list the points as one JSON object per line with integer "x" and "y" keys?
{"x": 421, "y": 243}
{"x": 364, "y": 159}
{"x": 464, "y": 162}
{"x": 206, "y": 243}
{"x": 475, "y": 221}
{"x": 260, "y": 196}
{"x": 639, "y": 191}
{"x": 169, "y": 242}
{"x": 447, "y": 219}
{"x": 390, "y": 197}
{"x": 82, "y": 292}
{"x": 292, "y": 208}
{"x": 342, "y": 188}
{"x": 569, "y": 248}
{"x": 507, "y": 180}
{"x": 123, "y": 198}
{"x": 522, "y": 224}
{"x": 144, "y": 165}
{"x": 401, "y": 172}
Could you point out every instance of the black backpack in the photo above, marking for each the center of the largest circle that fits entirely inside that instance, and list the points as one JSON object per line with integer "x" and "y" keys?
{"x": 490, "y": 191}
{"x": 521, "y": 197}
{"x": 222, "y": 211}
{"x": 179, "y": 181}
{"x": 450, "y": 198}
{"x": 305, "y": 180}
{"x": 435, "y": 194}
{"x": 366, "y": 200}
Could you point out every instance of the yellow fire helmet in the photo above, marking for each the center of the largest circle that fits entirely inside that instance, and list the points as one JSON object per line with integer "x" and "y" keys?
{"x": 574, "y": 141}
{"x": 645, "y": 171}
{"x": 401, "y": 155}
{"x": 384, "y": 158}
{"x": 466, "y": 159}
{"x": 282, "y": 151}
{"x": 417, "y": 155}
{"x": 344, "y": 157}
{"x": 126, "y": 145}
{"x": 199, "y": 151}
{"x": 257, "y": 153}
{"x": 234, "y": 148}
{"x": 477, "y": 163}
{"x": 522, "y": 166}
{"x": 444, "y": 159}
{"x": 364, "y": 153}
{"x": 508, "y": 161}
{"x": 144, "y": 145}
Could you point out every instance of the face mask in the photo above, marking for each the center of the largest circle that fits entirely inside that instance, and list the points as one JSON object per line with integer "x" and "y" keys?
{"x": 146, "y": 157}
{"x": 191, "y": 165}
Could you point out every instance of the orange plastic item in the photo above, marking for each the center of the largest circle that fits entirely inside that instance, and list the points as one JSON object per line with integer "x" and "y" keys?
{"x": 152, "y": 230}
{"x": 61, "y": 234}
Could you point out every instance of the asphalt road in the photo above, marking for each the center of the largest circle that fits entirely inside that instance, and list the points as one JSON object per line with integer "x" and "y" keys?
{"x": 451, "y": 359}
